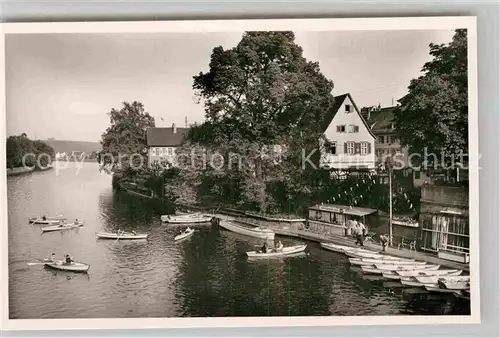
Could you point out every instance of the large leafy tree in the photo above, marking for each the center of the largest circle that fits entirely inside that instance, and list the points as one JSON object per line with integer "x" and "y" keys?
{"x": 262, "y": 93}
{"x": 23, "y": 151}
{"x": 124, "y": 142}
{"x": 434, "y": 114}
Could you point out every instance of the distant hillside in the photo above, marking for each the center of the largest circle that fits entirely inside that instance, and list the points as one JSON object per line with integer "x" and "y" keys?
{"x": 61, "y": 146}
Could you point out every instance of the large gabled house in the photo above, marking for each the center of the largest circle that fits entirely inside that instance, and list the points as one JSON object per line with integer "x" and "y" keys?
{"x": 163, "y": 143}
{"x": 348, "y": 143}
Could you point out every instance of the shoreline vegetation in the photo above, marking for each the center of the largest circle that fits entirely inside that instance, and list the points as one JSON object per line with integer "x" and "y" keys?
{"x": 25, "y": 155}
{"x": 265, "y": 102}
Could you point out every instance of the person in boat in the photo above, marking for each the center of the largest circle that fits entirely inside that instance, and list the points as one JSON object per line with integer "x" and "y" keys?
{"x": 68, "y": 259}
{"x": 53, "y": 257}
{"x": 61, "y": 223}
{"x": 44, "y": 218}
{"x": 188, "y": 229}
{"x": 264, "y": 248}
{"x": 384, "y": 241}
{"x": 134, "y": 233}
{"x": 76, "y": 220}
{"x": 279, "y": 247}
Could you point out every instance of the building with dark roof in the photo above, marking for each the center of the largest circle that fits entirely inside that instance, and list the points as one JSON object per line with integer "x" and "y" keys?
{"x": 348, "y": 142}
{"x": 163, "y": 143}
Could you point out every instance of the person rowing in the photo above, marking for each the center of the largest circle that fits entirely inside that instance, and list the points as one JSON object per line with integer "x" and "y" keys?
{"x": 279, "y": 247}
{"x": 264, "y": 248}
{"x": 68, "y": 260}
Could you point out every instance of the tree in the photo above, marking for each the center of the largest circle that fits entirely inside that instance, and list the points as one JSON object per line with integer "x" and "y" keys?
{"x": 124, "y": 142}
{"x": 259, "y": 94}
{"x": 434, "y": 114}
{"x": 21, "y": 151}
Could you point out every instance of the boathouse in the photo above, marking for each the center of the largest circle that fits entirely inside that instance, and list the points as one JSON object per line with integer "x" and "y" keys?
{"x": 333, "y": 219}
{"x": 444, "y": 222}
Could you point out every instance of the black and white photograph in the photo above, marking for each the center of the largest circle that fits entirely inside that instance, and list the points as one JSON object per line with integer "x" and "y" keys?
{"x": 262, "y": 172}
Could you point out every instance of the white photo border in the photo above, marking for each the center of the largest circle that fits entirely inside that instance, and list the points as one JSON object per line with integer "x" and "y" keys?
{"x": 344, "y": 24}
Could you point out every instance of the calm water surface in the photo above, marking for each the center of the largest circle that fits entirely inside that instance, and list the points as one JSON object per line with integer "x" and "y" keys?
{"x": 207, "y": 275}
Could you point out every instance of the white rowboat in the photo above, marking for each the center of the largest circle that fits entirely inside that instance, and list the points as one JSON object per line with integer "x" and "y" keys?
{"x": 253, "y": 232}
{"x": 121, "y": 235}
{"x": 380, "y": 269}
{"x": 371, "y": 261}
{"x": 370, "y": 254}
{"x": 187, "y": 219}
{"x": 449, "y": 278}
{"x": 439, "y": 290}
{"x": 278, "y": 253}
{"x": 335, "y": 247}
{"x": 73, "y": 266}
{"x": 429, "y": 272}
{"x": 62, "y": 227}
{"x": 184, "y": 235}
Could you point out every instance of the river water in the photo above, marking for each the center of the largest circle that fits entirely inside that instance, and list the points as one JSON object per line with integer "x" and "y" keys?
{"x": 207, "y": 275}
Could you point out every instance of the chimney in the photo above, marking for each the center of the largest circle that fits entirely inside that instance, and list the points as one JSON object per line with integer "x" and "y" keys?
{"x": 174, "y": 128}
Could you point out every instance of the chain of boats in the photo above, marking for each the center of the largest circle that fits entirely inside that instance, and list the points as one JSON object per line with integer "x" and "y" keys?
{"x": 409, "y": 272}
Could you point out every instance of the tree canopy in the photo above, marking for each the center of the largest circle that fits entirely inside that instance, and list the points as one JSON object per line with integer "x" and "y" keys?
{"x": 23, "y": 151}
{"x": 257, "y": 95}
{"x": 434, "y": 114}
{"x": 125, "y": 138}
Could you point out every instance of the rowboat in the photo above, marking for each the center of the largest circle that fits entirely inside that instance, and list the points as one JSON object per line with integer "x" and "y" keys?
{"x": 454, "y": 285}
{"x": 62, "y": 227}
{"x": 335, "y": 247}
{"x": 370, "y": 254}
{"x": 430, "y": 281}
{"x": 429, "y": 273}
{"x": 462, "y": 294}
{"x": 380, "y": 269}
{"x": 121, "y": 235}
{"x": 440, "y": 290}
{"x": 73, "y": 266}
{"x": 185, "y": 234}
{"x": 187, "y": 219}
{"x": 278, "y": 253}
{"x": 244, "y": 230}
{"x": 409, "y": 275}
{"x": 371, "y": 261}
{"x": 47, "y": 220}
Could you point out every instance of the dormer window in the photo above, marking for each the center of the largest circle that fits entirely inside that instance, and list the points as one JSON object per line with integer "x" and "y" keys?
{"x": 348, "y": 108}
{"x": 341, "y": 129}
{"x": 353, "y": 128}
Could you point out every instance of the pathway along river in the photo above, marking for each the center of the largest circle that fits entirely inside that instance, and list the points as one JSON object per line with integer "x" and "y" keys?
{"x": 207, "y": 275}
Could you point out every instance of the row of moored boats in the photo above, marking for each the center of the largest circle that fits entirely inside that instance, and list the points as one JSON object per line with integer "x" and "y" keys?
{"x": 409, "y": 272}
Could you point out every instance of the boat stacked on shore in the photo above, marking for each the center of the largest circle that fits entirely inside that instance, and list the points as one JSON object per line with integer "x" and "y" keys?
{"x": 190, "y": 218}
{"x": 408, "y": 271}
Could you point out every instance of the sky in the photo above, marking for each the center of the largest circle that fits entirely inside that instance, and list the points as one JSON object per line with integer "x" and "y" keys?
{"x": 63, "y": 86}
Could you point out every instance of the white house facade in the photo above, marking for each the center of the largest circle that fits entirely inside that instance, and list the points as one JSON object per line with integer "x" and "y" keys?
{"x": 349, "y": 143}
{"x": 163, "y": 143}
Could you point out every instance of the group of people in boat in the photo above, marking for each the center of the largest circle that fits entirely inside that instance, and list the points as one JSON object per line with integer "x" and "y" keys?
{"x": 67, "y": 259}
{"x": 266, "y": 249}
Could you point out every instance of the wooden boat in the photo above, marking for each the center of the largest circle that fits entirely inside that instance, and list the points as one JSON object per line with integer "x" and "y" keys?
{"x": 336, "y": 248}
{"x": 454, "y": 285}
{"x": 121, "y": 235}
{"x": 244, "y": 230}
{"x": 73, "y": 266}
{"x": 380, "y": 269}
{"x": 452, "y": 277}
{"x": 430, "y": 281}
{"x": 185, "y": 234}
{"x": 285, "y": 251}
{"x": 370, "y": 254}
{"x": 62, "y": 227}
{"x": 410, "y": 275}
{"x": 429, "y": 273}
{"x": 462, "y": 294}
{"x": 187, "y": 219}
{"x": 47, "y": 221}
{"x": 439, "y": 289}
{"x": 371, "y": 261}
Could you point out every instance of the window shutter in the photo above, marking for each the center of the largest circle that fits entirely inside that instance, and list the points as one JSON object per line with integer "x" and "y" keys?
{"x": 338, "y": 129}
{"x": 345, "y": 148}
{"x": 369, "y": 148}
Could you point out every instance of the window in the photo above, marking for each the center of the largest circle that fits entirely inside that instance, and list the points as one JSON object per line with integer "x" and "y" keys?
{"x": 417, "y": 174}
{"x": 341, "y": 129}
{"x": 381, "y": 139}
{"x": 364, "y": 148}
{"x": 154, "y": 151}
{"x": 348, "y": 108}
{"x": 393, "y": 126}
{"x": 169, "y": 151}
{"x": 353, "y": 128}
{"x": 350, "y": 148}
{"x": 333, "y": 148}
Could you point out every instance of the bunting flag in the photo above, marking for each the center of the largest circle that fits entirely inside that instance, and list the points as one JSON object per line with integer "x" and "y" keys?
{"x": 411, "y": 206}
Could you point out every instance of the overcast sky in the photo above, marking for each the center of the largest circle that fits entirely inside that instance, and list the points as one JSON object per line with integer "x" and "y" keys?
{"x": 63, "y": 85}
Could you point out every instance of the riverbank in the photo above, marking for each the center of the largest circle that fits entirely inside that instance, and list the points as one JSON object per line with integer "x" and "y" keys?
{"x": 292, "y": 229}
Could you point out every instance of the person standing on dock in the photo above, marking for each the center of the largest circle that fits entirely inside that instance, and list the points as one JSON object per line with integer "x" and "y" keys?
{"x": 359, "y": 233}
{"x": 384, "y": 241}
